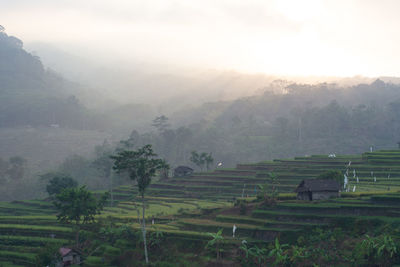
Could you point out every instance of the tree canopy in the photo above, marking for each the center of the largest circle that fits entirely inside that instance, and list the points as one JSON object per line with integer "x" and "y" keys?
{"x": 78, "y": 205}
{"x": 58, "y": 182}
{"x": 141, "y": 165}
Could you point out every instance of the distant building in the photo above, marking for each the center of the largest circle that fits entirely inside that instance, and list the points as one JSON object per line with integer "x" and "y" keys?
{"x": 69, "y": 257}
{"x": 317, "y": 189}
{"x": 182, "y": 171}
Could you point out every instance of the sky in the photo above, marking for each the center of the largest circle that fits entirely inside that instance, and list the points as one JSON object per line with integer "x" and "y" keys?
{"x": 279, "y": 37}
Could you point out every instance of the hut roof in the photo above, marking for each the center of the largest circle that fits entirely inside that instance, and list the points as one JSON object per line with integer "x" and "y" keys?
{"x": 65, "y": 251}
{"x": 183, "y": 168}
{"x": 318, "y": 185}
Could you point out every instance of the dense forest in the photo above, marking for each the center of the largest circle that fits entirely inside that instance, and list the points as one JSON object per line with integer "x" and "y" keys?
{"x": 289, "y": 120}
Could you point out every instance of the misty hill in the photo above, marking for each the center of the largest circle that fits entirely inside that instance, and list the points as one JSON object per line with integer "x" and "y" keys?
{"x": 31, "y": 95}
{"x": 286, "y": 120}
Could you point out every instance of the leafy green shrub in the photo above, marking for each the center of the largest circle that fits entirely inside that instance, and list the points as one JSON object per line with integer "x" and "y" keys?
{"x": 93, "y": 261}
{"x": 46, "y": 255}
{"x": 259, "y": 255}
{"x": 156, "y": 238}
{"x": 278, "y": 254}
{"x": 381, "y": 250}
{"x": 111, "y": 253}
{"x": 123, "y": 243}
{"x": 112, "y": 233}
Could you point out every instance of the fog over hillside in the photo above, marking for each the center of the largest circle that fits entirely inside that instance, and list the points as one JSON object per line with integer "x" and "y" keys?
{"x": 176, "y": 87}
{"x": 199, "y": 133}
{"x": 267, "y": 85}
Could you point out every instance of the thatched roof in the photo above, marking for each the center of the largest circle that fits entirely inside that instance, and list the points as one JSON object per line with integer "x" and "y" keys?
{"x": 315, "y": 185}
{"x": 183, "y": 169}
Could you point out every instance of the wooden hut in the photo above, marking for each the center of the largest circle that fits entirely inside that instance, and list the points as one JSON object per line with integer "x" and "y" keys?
{"x": 182, "y": 171}
{"x": 317, "y": 189}
{"x": 69, "y": 257}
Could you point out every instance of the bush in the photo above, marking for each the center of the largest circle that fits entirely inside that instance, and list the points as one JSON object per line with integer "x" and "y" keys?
{"x": 93, "y": 261}
{"x": 47, "y": 255}
{"x": 381, "y": 250}
{"x": 58, "y": 183}
{"x": 111, "y": 253}
{"x": 123, "y": 244}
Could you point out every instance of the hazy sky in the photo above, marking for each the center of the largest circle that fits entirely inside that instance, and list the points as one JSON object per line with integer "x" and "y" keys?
{"x": 287, "y": 37}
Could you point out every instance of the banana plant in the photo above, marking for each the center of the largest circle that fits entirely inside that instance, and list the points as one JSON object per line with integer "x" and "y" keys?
{"x": 216, "y": 241}
{"x": 278, "y": 253}
{"x": 259, "y": 254}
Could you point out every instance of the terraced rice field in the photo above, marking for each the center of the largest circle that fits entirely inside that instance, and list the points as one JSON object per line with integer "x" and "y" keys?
{"x": 376, "y": 171}
{"x": 291, "y": 218}
{"x": 26, "y": 226}
{"x": 188, "y": 208}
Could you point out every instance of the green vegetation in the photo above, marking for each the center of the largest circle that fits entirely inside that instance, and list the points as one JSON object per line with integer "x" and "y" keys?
{"x": 358, "y": 228}
{"x": 78, "y": 206}
{"x": 141, "y": 166}
{"x": 58, "y": 182}
{"x": 201, "y": 159}
{"x": 215, "y": 243}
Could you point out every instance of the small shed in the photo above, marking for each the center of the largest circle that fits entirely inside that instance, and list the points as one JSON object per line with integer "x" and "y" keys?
{"x": 182, "y": 171}
{"x": 317, "y": 189}
{"x": 69, "y": 257}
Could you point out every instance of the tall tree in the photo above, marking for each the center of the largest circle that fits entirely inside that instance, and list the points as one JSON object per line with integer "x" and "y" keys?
{"x": 201, "y": 159}
{"x": 58, "y": 182}
{"x": 78, "y": 206}
{"x": 195, "y": 158}
{"x": 141, "y": 166}
{"x": 208, "y": 160}
{"x": 161, "y": 123}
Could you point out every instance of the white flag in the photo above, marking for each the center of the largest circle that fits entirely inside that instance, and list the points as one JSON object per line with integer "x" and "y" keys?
{"x": 354, "y": 188}
{"x": 234, "y": 230}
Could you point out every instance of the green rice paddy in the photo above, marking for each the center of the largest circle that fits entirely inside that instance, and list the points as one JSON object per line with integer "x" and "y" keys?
{"x": 188, "y": 207}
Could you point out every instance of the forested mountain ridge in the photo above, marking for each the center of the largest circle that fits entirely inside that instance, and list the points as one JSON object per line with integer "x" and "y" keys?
{"x": 287, "y": 120}
{"x": 30, "y": 95}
